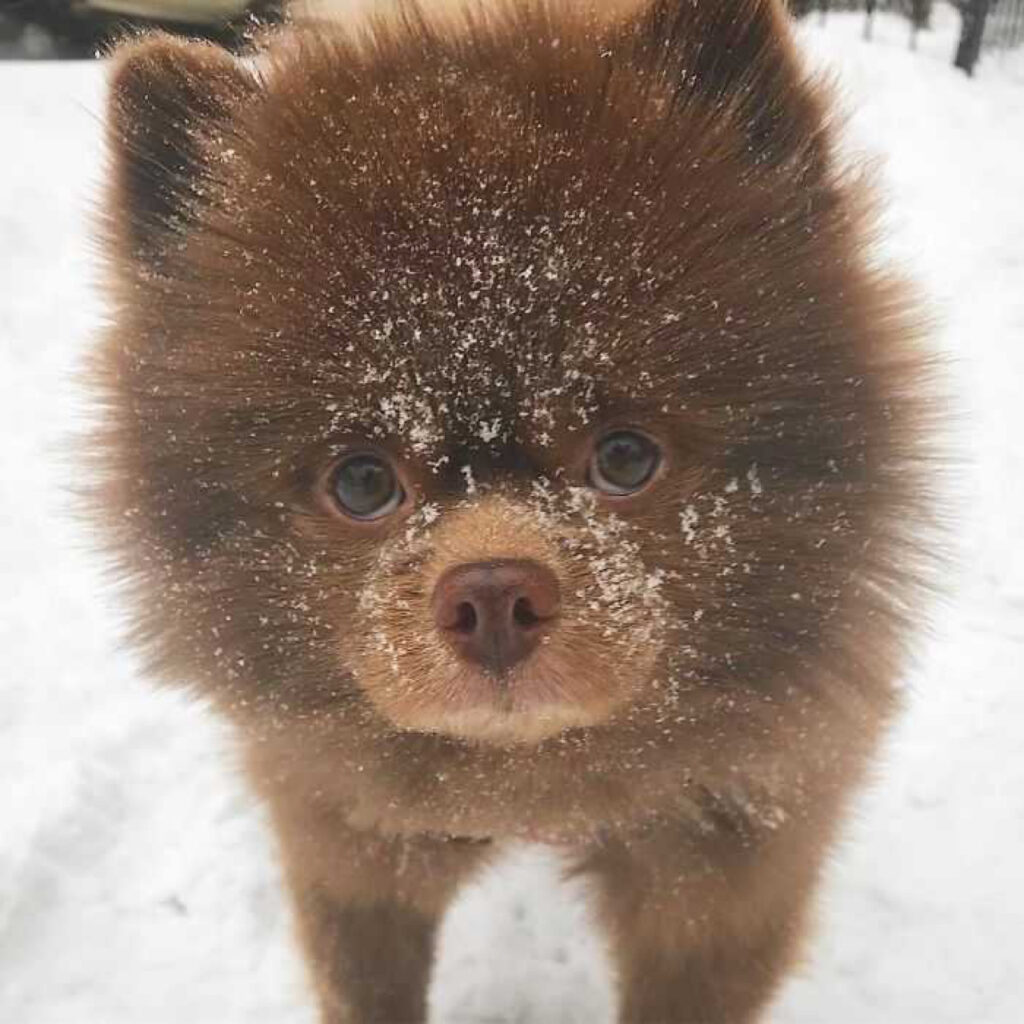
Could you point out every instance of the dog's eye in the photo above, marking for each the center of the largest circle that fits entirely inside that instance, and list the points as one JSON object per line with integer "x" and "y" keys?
{"x": 366, "y": 487}
{"x": 623, "y": 462}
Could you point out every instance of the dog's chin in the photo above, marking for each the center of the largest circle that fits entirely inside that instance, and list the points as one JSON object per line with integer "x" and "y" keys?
{"x": 504, "y": 727}
{"x": 521, "y": 708}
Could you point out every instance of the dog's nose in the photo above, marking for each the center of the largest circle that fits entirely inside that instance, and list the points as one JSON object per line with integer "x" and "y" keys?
{"x": 495, "y": 613}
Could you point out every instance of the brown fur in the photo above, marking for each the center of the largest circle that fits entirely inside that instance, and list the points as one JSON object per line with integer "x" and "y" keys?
{"x": 474, "y": 244}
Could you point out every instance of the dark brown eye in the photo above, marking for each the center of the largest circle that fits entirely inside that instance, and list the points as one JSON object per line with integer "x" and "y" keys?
{"x": 366, "y": 487}
{"x": 623, "y": 462}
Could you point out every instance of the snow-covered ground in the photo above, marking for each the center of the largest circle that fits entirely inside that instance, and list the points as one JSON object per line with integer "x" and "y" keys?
{"x": 137, "y": 877}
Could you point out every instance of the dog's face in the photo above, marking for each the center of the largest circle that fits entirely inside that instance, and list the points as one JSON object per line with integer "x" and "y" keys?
{"x": 500, "y": 382}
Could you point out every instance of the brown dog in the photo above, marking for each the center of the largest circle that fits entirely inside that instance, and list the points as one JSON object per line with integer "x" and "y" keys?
{"x": 506, "y": 428}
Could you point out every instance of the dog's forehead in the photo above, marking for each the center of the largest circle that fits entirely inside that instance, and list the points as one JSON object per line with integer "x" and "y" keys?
{"x": 469, "y": 315}
{"x": 491, "y": 333}
{"x": 480, "y": 385}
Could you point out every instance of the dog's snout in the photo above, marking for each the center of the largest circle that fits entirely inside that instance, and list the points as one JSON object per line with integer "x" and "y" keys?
{"x": 495, "y": 613}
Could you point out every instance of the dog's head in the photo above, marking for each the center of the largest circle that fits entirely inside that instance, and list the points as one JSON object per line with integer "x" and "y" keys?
{"x": 501, "y": 375}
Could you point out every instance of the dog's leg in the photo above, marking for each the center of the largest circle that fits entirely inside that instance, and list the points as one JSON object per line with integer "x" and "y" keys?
{"x": 368, "y": 914}
{"x": 702, "y": 929}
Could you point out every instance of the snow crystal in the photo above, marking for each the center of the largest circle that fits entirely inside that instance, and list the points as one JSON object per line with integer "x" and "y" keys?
{"x": 688, "y": 519}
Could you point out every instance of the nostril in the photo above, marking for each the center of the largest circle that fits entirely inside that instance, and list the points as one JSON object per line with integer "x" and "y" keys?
{"x": 523, "y": 613}
{"x": 465, "y": 618}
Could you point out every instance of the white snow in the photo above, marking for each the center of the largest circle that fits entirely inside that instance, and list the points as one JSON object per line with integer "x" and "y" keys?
{"x": 137, "y": 875}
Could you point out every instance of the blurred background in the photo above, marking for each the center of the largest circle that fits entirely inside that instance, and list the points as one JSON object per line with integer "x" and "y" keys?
{"x": 80, "y": 28}
{"x": 138, "y": 878}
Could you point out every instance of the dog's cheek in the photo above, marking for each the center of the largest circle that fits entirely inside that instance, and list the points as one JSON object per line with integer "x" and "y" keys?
{"x": 387, "y": 638}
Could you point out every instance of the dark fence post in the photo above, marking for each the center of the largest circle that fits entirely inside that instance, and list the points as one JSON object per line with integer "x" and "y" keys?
{"x": 869, "y": 17}
{"x": 920, "y": 17}
{"x": 972, "y": 28}
{"x": 921, "y": 13}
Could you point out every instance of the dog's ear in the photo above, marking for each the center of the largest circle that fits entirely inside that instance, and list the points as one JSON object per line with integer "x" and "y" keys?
{"x": 740, "y": 56}
{"x": 168, "y": 99}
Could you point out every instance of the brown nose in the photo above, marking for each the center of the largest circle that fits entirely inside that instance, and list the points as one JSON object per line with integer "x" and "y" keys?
{"x": 495, "y": 613}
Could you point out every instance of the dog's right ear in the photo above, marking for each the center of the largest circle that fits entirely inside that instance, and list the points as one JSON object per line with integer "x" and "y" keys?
{"x": 741, "y": 57}
{"x": 168, "y": 98}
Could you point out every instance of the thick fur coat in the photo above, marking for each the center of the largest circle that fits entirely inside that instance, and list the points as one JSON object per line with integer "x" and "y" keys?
{"x": 472, "y": 246}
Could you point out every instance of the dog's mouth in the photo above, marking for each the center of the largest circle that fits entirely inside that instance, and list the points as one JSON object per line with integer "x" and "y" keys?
{"x": 528, "y": 688}
{"x": 518, "y": 708}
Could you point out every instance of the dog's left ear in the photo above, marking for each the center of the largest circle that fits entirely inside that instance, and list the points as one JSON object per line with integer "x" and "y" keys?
{"x": 740, "y": 56}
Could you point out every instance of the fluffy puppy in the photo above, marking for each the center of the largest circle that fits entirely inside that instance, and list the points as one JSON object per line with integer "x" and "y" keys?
{"x": 506, "y": 427}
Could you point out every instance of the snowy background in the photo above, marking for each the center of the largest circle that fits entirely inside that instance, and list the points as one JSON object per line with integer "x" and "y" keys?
{"x": 137, "y": 876}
